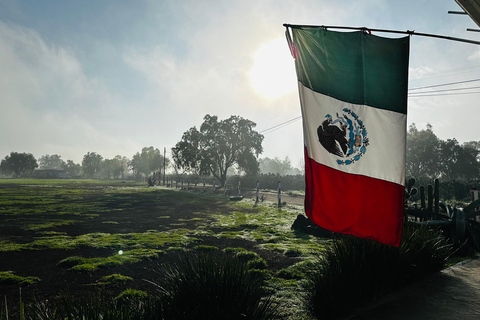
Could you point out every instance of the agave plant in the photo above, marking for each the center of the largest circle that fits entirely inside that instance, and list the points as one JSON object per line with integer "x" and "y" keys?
{"x": 458, "y": 224}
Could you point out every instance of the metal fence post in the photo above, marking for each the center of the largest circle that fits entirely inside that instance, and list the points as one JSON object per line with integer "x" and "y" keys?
{"x": 279, "y": 194}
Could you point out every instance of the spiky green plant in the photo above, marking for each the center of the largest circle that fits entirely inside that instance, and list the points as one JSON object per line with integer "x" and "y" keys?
{"x": 355, "y": 271}
{"x": 208, "y": 286}
{"x": 130, "y": 305}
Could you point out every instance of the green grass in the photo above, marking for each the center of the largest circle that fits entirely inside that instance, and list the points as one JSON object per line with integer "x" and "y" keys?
{"x": 132, "y": 294}
{"x": 43, "y": 207}
{"x": 7, "y": 278}
{"x": 91, "y": 264}
{"x": 114, "y": 280}
{"x": 47, "y": 225}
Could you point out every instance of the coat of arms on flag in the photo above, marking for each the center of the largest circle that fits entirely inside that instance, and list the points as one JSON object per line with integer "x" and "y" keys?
{"x": 353, "y": 94}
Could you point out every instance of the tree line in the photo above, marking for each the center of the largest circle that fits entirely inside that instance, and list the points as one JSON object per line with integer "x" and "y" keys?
{"x": 93, "y": 164}
{"x": 217, "y": 147}
{"x": 232, "y": 147}
{"x": 430, "y": 157}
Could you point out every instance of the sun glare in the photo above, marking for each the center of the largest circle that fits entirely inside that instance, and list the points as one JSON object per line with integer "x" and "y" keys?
{"x": 273, "y": 72}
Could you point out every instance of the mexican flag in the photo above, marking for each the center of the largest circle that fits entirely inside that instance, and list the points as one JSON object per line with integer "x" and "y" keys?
{"x": 353, "y": 94}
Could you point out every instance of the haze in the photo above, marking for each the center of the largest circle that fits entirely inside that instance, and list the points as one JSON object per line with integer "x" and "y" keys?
{"x": 115, "y": 76}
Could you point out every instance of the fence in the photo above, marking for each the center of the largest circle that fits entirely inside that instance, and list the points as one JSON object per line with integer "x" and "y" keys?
{"x": 230, "y": 188}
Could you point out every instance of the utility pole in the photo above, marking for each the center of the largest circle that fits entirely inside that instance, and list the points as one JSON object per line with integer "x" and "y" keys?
{"x": 164, "y": 161}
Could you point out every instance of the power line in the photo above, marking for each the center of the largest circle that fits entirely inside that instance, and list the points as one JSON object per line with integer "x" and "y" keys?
{"x": 443, "y": 90}
{"x": 278, "y": 126}
{"x": 410, "y": 95}
{"x": 442, "y": 94}
{"x": 444, "y": 84}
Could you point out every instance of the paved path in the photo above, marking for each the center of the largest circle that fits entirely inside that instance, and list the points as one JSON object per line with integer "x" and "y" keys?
{"x": 451, "y": 294}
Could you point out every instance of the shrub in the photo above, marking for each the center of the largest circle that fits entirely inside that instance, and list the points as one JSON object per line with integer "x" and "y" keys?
{"x": 129, "y": 305}
{"x": 355, "y": 271}
{"x": 214, "y": 287}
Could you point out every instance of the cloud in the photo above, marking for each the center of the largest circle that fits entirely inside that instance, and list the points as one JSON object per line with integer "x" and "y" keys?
{"x": 47, "y": 103}
{"x": 475, "y": 55}
{"x": 420, "y": 72}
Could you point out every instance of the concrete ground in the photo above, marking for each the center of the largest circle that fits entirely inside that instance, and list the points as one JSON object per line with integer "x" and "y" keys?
{"x": 453, "y": 293}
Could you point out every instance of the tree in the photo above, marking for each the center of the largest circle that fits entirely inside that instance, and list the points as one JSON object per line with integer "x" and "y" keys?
{"x": 107, "y": 168}
{"x": 18, "y": 164}
{"x": 71, "y": 168}
{"x": 119, "y": 164}
{"x": 430, "y": 157}
{"x": 474, "y": 145}
{"x": 148, "y": 161}
{"x": 423, "y": 153}
{"x": 114, "y": 167}
{"x": 277, "y": 166}
{"x": 459, "y": 162}
{"x": 218, "y": 146}
{"x": 51, "y": 162}
{"x": 91, "y": 164}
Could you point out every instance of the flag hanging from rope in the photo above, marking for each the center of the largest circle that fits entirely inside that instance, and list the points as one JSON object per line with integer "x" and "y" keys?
{"x": 353, "y": 95}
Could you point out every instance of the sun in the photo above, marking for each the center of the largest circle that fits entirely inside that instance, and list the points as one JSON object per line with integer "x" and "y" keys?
{"x": 273, "y": 72}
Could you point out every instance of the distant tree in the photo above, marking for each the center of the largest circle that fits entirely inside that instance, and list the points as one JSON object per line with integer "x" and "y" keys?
{"x": 459, "y": 162}
{"x": 423, "y": 153}
{"x": 71, "y": 168}
{"x": 19, "y": 164}
{"x": 53, "y": 161}
{"x": 148, "y": 161}
{"x": 475, "y": 145}
{"x": 114, "y": 167}
{"x": 277, "y": 166}
{"x": 107, "y": 168}
{"x": 219, "y": 145}
{"x": 431, "y": 157}
{"x": 119, "y": 165}
{"x": 91, "y": 164}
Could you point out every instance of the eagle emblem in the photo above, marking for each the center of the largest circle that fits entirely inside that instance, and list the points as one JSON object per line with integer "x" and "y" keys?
{"x": 345, "y": 136}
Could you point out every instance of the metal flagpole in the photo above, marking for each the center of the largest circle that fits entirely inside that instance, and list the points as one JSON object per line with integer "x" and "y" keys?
{"x": 409, "y": 32}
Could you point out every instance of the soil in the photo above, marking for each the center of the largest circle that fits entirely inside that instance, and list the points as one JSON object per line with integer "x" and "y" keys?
{"x": 57, "y": 280}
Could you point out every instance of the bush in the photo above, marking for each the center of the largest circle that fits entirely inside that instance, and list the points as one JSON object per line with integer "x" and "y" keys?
{"x": 355, "y": 271}
{"x": 214, "y": 287}
{"x": 130, "y": 305}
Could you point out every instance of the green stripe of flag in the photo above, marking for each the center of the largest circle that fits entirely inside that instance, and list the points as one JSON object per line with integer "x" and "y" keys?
{"x": 354, "y": 67}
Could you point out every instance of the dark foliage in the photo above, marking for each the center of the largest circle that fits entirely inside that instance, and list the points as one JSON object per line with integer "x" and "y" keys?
{"x": 216, "y": 286}
{"x": 355, "y": 271}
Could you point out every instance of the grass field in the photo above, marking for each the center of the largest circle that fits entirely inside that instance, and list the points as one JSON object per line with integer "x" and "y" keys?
{"x": 78, "y": 236}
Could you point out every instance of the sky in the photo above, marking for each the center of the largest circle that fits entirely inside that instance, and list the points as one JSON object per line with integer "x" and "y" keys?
{"x": 113, "y": 77}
